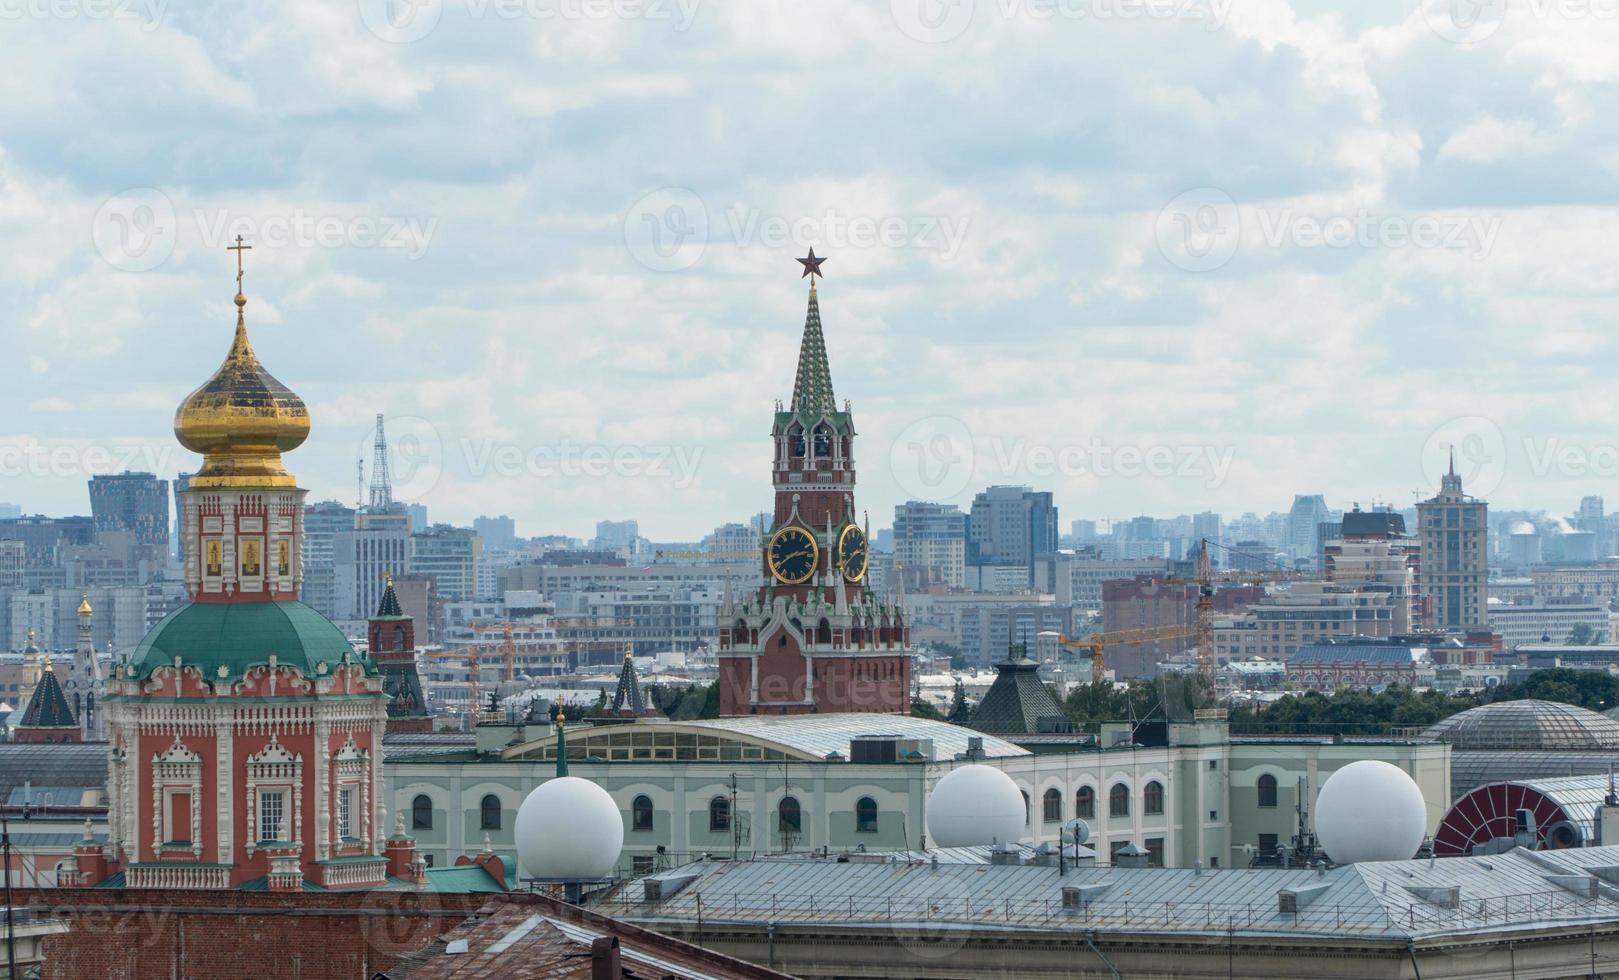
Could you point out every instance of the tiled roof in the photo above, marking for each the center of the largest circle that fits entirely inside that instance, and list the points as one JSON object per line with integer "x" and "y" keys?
{"x": 1017, "y": 701}
{"x": 812, "y": 389}
{"x": 48, "y": 707}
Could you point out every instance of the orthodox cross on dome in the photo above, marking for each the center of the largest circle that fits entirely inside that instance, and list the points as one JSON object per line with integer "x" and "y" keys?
{"x": 812, "y": 266}
{"x": 241, "y": 297}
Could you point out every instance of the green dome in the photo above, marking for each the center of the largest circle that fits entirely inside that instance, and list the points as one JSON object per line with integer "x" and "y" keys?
{"x": 241, "y": 635}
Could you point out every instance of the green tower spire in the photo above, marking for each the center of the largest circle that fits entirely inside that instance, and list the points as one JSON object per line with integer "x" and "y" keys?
{"x": 812, "y": 390}
{"x": 562, "y": 744}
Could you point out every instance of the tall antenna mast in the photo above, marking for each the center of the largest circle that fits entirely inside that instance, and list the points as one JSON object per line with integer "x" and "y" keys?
{"x": 382, "y": 494}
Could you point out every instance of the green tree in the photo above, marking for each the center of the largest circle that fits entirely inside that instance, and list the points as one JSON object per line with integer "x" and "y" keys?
{"x": 1582, "y": 635}
{"x": 921, "y": 708}
{"x": 959, "y": 712}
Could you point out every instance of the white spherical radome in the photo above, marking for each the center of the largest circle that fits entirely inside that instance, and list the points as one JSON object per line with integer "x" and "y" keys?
{"x": 975, "y": 805}
{"x": 1370, "y": 811}
{"x": 568, "y": 829}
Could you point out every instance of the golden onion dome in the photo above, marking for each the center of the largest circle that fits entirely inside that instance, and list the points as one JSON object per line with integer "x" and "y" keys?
{"x": 241, "y": 420}
{"x": 84, "y": 605}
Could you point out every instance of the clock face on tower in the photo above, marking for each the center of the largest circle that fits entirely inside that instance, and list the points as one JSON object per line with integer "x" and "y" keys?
{"x": 851, "y": 553}
{"x": 793, "y": 555}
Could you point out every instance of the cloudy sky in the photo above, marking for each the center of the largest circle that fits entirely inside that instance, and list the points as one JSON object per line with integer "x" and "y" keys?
{"x": 1158, "y": 256}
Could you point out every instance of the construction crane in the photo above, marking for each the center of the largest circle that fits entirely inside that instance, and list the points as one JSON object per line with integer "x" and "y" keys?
{"x": 1202, "y": 625}
{"x": 1096, "y": 643}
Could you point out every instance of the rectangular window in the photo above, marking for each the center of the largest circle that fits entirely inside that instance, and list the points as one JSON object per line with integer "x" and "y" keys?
{"x": 272, "y": 808}
{"x": 1267, "y": 844}
{"x": 1155, "y": 852}
{"x": 180, "y": 818}
{"x": 345, "y": 811}
{"x": 643, "y": 864}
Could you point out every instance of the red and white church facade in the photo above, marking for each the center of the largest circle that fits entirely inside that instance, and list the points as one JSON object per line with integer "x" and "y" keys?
{"x": 245, "y": 732}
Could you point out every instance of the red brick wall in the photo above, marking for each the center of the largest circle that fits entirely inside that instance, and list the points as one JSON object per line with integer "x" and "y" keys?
{"x": 124, "y": 934}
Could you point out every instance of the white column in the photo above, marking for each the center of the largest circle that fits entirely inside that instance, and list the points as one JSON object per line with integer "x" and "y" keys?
{"x": 323, "y": 816}
{"x": 224, "y": 757}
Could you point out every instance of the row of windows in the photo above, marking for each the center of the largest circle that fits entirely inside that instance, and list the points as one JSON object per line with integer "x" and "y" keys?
{"x": 789, "y": 814}
{"x": 1118, "y": 802}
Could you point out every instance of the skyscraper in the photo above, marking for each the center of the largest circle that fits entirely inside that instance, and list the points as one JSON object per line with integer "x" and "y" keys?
{"x": 1011, "y": 526}
{"x": 1309, "y": 511}
{"x": 134, "y": 502}
{"x": 929, "y": 535}
{"x": 1454, "y": 528}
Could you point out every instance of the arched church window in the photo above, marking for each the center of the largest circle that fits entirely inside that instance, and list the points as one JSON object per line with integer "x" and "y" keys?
{"x": 489, "y": 812}
{"x": 421, "y": 812}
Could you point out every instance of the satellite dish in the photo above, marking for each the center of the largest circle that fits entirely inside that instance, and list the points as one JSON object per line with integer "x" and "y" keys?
{"x": 1078, "y": 831}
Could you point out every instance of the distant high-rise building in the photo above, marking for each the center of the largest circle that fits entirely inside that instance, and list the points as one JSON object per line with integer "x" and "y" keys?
{"x": 450, "y": 555}
{"x": 1206, "y": 527}
{"x": 1083, "y": 532}
{"x": 498, "y": 533}
{"x": 133, "y": 502}
{"x": 1593, "y": 520}
{"x": 8, "y": 511}
{"x": 1454, "y": 529}
{"x": 377, "y": 545}
{"x": 1011, "y": 526}
{"x": 418, "y": 517}
{"x": 929, "y": 535}
{"x": 323, "y": 522}
{"x": 616, "y": 535}
{"x": 1309, "y": 511}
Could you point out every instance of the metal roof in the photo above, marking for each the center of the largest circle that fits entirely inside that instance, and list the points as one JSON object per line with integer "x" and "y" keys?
{"x": 1354, "y": 653}
{"x": 818, "y": 736}
{"x": 1470, "y": 770}
{"x": 52, "y": 764}
{"x": 1529, "y": 725}
{"x": 1400, "y": 900}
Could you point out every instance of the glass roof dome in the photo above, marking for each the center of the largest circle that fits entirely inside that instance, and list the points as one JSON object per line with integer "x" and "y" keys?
{"x": 1529, "y": 725}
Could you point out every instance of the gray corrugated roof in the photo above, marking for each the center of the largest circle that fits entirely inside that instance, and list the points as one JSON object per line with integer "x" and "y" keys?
{"x": 52, "y": 764}
{"x": 1372, "y": 901}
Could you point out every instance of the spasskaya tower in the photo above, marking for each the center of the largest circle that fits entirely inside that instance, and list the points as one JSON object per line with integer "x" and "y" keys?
{"x": 814, "y": 638}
